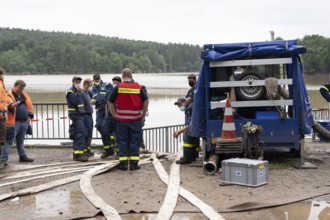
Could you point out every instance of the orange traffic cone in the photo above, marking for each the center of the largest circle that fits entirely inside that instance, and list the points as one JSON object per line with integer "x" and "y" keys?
{"x": 228, "y": 127}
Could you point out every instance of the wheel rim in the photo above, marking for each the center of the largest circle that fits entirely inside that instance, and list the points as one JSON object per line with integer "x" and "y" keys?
{"x": 250, "y": 91}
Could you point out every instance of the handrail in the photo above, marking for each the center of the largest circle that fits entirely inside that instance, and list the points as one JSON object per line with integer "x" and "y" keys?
{"x": 51, "y": 122}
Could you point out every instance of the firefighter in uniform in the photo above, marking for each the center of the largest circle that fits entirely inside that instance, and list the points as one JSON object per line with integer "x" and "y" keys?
{"x": 76, "y": 114}
{"x": 325, "y": 91}
{"x": 100, "y": 90}
{"x": 190, "y": 144}
{"x": 131, "y": 106}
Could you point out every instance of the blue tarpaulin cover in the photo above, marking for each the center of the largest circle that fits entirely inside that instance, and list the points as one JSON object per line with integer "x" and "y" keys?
{"x": 240, "y": 51}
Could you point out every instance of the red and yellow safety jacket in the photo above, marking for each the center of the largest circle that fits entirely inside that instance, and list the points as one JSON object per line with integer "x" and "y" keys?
{"x": 3, "y": 97}
{"x": 12, "y": 114}
{"x": 129, "y": 103}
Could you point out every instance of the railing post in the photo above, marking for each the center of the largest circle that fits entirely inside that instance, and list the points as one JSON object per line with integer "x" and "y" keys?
{"x": 166, "y": 140}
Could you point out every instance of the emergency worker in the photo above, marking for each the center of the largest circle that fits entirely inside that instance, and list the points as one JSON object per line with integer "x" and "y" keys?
{"x": 3, "y": 110}
{"x": 76, "y": 114}
{"x": 86, "y": 93}
{"x": 99, "y": 99}
{"x": 116, "y": 80}
{"x": 131, "y": 106}
{"x": 192, "y": 83}
{"x": 190, "y": 144}
{"x": 109, "y": 126}
{"x": 20, "y": 112}
{"x": 325, "y": 91}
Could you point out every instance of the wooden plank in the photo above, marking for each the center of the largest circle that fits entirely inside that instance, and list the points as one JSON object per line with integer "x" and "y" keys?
{"x": 207, "y": 210}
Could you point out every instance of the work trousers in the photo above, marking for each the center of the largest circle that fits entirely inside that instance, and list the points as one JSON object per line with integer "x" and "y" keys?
{"x": 108, "y": 132}
{"x": 100, "y": 114}
{"x": 129, "y": 140}
{"x": 190, "y": 146}
{"x": 16, "y": 133}
{"x": 88, "y": 120}
{"x": 79, "y": 137}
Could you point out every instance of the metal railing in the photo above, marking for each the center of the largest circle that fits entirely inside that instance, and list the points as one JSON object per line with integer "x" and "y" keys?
{"x": 51, "y": 122}
{"x": 321, "y": 114}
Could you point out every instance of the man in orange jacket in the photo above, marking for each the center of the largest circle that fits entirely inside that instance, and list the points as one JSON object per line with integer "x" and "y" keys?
{"x": 20, "y": 112}
{"x": 3, "y": 110}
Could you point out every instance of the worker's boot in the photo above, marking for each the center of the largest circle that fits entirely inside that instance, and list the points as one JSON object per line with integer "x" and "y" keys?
{"x": 188, "y": 156}
{"x": 123, "y": 165}
{"x": 80, "y": 157}
{"x": 134, "y": 165}
{"x": 107, "y": 152}
{"x": 184, "y": 160}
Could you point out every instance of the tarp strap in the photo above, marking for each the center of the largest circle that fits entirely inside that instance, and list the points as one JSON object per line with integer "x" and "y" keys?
{"x": 286, "y": 46}
{"x": 250, "y": 49}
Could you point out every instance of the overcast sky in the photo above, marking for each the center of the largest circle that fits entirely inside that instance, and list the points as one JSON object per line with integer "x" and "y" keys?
{"x": 177, "y": 21}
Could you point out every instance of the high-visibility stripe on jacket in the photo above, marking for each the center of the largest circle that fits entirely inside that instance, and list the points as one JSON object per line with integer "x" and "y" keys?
{"x": 12, "y": 114}
{"x": 3, "y": 97}
{"x": 129, "y": 103}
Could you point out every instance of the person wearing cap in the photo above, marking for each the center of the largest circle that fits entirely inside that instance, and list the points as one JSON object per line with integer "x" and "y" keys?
{"x": 20, "y": 112}
{"x": 100, "y": 90}
{"x": 325, "y": 91}
{"x": 131, "y": 106}
{"x": 190, "y": 144}
{"x": 76, "y": 114}
{"x": 192, "y": 83}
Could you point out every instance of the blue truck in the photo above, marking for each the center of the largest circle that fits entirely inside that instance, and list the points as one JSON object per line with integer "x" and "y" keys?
{"x": 242, "y": 71}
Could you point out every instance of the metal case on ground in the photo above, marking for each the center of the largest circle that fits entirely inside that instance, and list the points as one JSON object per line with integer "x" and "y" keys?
{"x": 244, "y": 172}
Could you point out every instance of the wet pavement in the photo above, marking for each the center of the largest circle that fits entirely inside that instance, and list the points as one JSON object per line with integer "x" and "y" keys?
{"x": 67, "y": 201}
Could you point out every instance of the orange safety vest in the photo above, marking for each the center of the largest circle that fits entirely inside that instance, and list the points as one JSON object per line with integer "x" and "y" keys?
{"x": 10, "y": 100}
{"x": 3, "y": 97}
{"x": 129, "y": 103}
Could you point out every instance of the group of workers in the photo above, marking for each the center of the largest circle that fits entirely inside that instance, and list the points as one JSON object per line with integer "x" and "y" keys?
{"x": 121, "y": 107}
{"x": 16, "y": 111}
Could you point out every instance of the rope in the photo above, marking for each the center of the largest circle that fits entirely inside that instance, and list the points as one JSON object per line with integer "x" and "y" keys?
{"x": 271, "y": 85}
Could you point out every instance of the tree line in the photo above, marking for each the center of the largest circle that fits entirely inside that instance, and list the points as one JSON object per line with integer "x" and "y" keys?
{"x": 40, "y": 52}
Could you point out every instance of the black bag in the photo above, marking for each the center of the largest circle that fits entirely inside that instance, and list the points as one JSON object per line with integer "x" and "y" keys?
{"x": 71, "y": 132}
{"x": 29, "y": 130}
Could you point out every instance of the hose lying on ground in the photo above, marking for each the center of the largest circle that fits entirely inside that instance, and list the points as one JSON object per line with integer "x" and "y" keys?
{"x": 321, "y": 130}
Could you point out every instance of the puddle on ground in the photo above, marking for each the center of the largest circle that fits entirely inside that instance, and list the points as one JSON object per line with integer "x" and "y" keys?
{"x": 51, "y": 203}
{"x": 309, "y": 210}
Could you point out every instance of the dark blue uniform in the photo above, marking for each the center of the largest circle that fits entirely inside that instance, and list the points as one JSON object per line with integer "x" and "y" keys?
{"x": 99, "y": 93}
{"x": 88, "y": 119}
{"x": 108, "y": 131}
{"x": 76, "y": 114}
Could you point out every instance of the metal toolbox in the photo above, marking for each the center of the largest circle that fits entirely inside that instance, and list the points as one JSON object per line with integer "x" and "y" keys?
{"x": 244, "y": 172}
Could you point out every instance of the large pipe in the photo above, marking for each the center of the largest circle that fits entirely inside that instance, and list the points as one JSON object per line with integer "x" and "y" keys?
{"x": 211, "y": 166}
{"x": 321, "y": 130}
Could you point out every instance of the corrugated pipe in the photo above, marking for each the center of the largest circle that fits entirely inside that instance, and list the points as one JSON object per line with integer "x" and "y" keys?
{"x": 321, "y": 130}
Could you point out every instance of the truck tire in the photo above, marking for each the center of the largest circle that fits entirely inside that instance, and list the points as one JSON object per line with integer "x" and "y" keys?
{"x": 250, "y": 92}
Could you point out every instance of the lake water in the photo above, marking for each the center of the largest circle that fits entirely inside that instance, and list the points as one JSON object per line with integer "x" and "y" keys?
{"x": 163, "y": 90}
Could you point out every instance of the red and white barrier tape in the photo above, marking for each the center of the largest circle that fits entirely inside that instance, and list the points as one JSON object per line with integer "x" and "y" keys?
{"x": 48, "y": 119}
